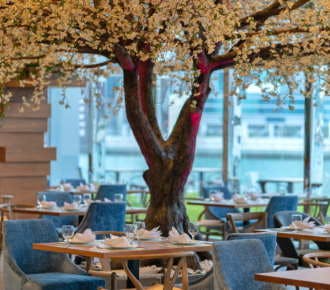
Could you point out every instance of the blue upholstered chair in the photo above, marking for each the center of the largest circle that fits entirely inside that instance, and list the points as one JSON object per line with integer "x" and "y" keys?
{"x": 280, "y": 203}
{"x": 59, "y": 197}
{"x": 268, "y": 240}
{"x": 235, "y": 264}
{"x": 109, "y": 190}
{"x": 27, "y": 269}
{"x": 104, "y": 216}
{"x": 75, "y": 182}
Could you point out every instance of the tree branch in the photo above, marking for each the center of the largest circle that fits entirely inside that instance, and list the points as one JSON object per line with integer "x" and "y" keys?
{"x": 273, "y": 9}
{"x": 145, "y": 81}
{"x": 144, "y": 134}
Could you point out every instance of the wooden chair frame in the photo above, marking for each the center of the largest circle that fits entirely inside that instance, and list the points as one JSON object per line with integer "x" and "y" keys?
{"x": 245, "y": 217}
{"x": 312, "y": 259}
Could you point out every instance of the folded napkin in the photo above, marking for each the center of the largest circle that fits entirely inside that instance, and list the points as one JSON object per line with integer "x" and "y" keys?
{"x": 86, "y": 237}
{"x": 217, "y": 196}
{"x": 303, "y": 225}
{"x": 116, "y": 241}
{"x": 70, "y": 206}
{"x": 48, "y": 204}
{"x": 145, "y": 234}
{"x": 239, "y": 199}
{"x": 175, "y": 237}
{"x": 67, "y": 187}
{"x": 327, "y": 228}
{"x": 83, "y": 188}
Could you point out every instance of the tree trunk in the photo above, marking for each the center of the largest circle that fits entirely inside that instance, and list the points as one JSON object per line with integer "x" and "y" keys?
{"x": 169, "y": 161}
{"x": 166, "y": 208}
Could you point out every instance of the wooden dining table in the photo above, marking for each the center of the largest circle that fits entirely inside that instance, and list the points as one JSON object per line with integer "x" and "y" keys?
{"x": 316, "y": 278}
{"x": 143, "y": 251}
{"x": 316, "y": 234}
{"x": 59, "y": 211}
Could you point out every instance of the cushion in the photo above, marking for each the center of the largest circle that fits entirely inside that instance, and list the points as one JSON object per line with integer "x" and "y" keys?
{"x": 62, "y": 281}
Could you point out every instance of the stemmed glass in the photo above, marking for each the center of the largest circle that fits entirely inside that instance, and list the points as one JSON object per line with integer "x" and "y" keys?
{"x": 130, "y": 231}
{"x": 87, "y": 197}
{"x": 67, "y": 232}
{"x": 77, "y": 199}
{"x": 296, "y": 218}
{"x": 192, "y": 230}
{"x": 41, "y": 198}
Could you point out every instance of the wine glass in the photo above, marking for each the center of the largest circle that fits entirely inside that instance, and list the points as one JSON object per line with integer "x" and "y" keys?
{"x": 67, "y": 232}
{"x": 87, "y": 197}
{"x": 296, "y": 218}
{"x": 77, "y": 199}
{"x": 140, "y": 225}
{"x": 41, "y": 198}
{"x": 192, "y": 230}
{"x": 130, "y": 231}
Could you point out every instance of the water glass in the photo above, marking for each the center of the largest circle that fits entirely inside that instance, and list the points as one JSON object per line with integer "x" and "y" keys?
{"x": 193, "y": 230}
{"x": 77, "y": 199}
{"x": 41, "y": 198}
{"x": 296, "y": 218}
{"x": 140, "y": 225}
{"x": 119, "y": 197}
{"x": 130, "y": 231}
{"x": 87, "y": 197}
{"x": 67, "y": 232}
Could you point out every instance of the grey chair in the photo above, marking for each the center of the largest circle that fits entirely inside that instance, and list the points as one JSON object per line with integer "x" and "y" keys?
{"x": 235, "y": 264}
{"x": 28, "y": 269}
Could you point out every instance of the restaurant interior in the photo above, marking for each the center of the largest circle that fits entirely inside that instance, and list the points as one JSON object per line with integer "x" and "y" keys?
{"x": 139, "y": 151}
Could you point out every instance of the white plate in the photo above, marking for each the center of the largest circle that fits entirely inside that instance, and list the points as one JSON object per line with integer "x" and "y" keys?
{"x": 79, "y": 242}
{"x": 186, "y": 244}
{"x": 149, "y": 239}
{"x": 71, "y": 209}
{"x": 105, "y": 246}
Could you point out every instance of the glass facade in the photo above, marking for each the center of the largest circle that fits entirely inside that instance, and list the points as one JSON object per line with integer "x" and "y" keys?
{"x": 271, "y": 139}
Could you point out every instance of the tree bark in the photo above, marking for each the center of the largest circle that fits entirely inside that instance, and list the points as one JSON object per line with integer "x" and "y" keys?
{"x": 169, "y": 162}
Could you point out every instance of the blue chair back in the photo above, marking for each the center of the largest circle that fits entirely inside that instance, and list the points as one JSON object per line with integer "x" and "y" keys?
{"x": 236, "y": 263}
{"x": 268, "y": 240}
{"x": 104, "y": 216}
{"x": 19, "y": 235}
{"x": 109, "y": 190}
{"x": 59, "y": 197}
{"x": 280, "y": 203}
{"x": 206, "y": 190}
{"x": 215, "y": 211}
{"x": 75, "y": 181}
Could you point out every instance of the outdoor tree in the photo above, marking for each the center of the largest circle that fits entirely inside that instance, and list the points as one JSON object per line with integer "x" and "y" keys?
{"x": 44, "y": 39}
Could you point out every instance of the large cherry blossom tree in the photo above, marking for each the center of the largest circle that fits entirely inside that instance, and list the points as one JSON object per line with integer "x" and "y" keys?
{"x": 43, "y": 39}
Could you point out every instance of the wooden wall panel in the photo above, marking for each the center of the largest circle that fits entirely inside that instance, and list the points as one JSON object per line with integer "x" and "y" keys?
{"x": 23, "y": 188}
{"x": 23, "y": 155}
{"x": 24, "y": 169}
{"x": 12, "y": 111}
{"x": 24, "y": 125}
{"x": 24, "y": 162}
{"x": 24, "y": 141}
